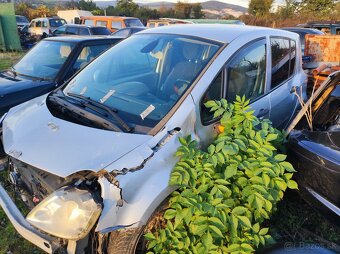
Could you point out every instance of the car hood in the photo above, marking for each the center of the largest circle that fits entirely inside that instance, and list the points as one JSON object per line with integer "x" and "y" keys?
{"x": 33, "y": 135}
{"x": 9, "y": 84}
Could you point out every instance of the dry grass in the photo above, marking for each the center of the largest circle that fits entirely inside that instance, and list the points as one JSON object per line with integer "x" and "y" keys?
{"x": 7, "y": 59}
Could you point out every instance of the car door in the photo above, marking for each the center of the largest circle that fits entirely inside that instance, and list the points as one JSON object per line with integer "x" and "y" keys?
{"x": 283, "y": 84}
{"x": 244, "y": 74}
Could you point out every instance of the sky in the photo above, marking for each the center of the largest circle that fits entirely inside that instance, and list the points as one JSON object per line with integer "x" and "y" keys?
{"x": 243, "y": 3}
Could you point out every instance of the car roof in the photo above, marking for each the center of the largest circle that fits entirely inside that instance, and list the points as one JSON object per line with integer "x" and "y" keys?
{"x": 302, "y": 29}
{"x": 88, "y": 26}
{"x": 218, "y": 32}
{"x": 76, "y": 39}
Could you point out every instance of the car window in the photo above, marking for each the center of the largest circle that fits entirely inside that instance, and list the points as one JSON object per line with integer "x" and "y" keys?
{"x": 38, "y": 23}
{"x": 116, "y": 24}
{"x": 44, "y": 23}
{"x": 214, "y": 92}
{"x": 283, "y": 60}
{"x": 123, "y": 32}
{"x": 84, "y": 31}
{"x": 32, "y": 24}
{"x": 151, "y": 25}
{"x": 133, "y": 23}
{"x": 246, "y": 73}
{"x": 152, "y": 74}
{"x": 87, "y": 54}
{"x": 72, "y": 30}
{"x": 89, "y": 22}
{"x": 57, "y": 22}
{"x": 100, "y": 31}
{"x": 101, "y": 23}
{"x": 337, "y": 31}
{"x": 60, "y": 30}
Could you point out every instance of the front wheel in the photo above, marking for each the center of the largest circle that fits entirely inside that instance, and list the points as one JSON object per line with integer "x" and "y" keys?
{"x": 131, "y": 240}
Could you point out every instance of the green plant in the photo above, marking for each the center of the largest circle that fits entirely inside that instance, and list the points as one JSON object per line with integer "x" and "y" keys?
{"x": 225, "y": 193}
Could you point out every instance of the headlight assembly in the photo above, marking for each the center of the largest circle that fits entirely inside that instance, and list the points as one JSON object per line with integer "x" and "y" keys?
{"x": 68, "y": 213}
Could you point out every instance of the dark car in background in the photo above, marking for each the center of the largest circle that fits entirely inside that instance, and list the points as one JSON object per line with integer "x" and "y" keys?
{"x": 82, "y": 30}
{"x": 21, "y": 21}
{"x": 315, "y": 153}
{"x": 302, "y": 32}
{"x": 127, "y": 32}
{"x": 48, "y": 65}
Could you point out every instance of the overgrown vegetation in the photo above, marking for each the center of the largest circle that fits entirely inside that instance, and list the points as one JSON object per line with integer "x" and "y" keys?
{"x": 8, "y": 59}
{"x": 227, "y": 192}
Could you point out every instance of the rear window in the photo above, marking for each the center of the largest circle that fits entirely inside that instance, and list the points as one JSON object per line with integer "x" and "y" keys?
{"x": 100, "y": 31}
{"x": 101, "y": 23}
{"x": 89, "y": 22}
{"x": 21, "y": 19}
{"x": 57, "y": 22}
{"x": 132, "y": 22}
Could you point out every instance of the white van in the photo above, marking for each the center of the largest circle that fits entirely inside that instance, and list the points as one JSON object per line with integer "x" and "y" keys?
{"x": 45, "y": 26}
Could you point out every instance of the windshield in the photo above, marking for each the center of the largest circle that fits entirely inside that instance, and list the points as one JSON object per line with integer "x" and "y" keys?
{"x": 100, "y": 31}
{"x": 144, "y": 76}
{"x": 44, "y": 60}
{"x": 133, "y": 22}
{"x": 21, "y": 19}
{"x": 57, "y": 22}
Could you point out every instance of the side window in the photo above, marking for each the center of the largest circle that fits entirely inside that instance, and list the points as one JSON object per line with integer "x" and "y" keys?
{"x": 246, "y": 73}
{"x": 60, "y": 30}
{"x": 32, "y": 24}
{"x": 89, "y": 22}
{"x": 38, "y": 23}
{"x": 72, "y": 30}
{"x": 101, "y": 23}
{"x": 87, "y": 54}
{"x": 123, "y": 32}
{"x": 84, "y": 31}
{"x": 116, "y": 24}
{"x": 44, "y": 24}
{"x": 337, "y": 31}
{"x": 151, "y": 25}
{"x": 292, "y": 57}
{"x": 214, "y": 92}
{"x": 283, "y": 52}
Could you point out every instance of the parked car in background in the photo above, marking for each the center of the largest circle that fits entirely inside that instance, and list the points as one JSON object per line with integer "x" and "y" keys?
{"x": 315, "y": 154}
{"x": 126, "y": 32}
{"x": 302, "y": 33}
{"x": 113, "y": 23}
{"x": 95, "y": 155}
{"x": 327, "y": 27}
{"x": 73, "y": 16}
{"x": 43, "y": 27}
{"x": 82, "y": 30}
{"x": 26, "y": 39}
{"x": 21, "y": 21}
{"x": 46, "y": 66}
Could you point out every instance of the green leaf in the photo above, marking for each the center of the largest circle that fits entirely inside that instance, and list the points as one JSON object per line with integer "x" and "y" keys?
{"x": 288, "y": 167}
{"x": 265, "y": 179}
{"x": 216, "y": 231}
{"x": 207, "y": 240}
{"x": 149, "y": 236}
{"x": 280, "y": 157}
{"x": 210, "y": 104}
{"x": 234, "y": 247}
{"x": 263, "y": 231}
{"x": 292, "y": 184}
{"x": 247, "y": 247}
{"x": 217, "y": 222}
{"x": 239, "y": 210}
{"x": 244, "y": 221}
{"x": 271, "y": 137}
{"x": 230, "y": 171}
{"x": 256, "y": 227}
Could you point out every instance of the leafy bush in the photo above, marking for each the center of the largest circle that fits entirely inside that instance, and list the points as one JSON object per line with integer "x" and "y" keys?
{"x": 226, "y": 192}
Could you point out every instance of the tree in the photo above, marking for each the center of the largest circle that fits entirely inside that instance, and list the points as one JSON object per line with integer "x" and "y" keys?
{"x": 127, "y": 7}
{"x": 317, "y": 8}
{"x": 260, "y": 7}
{"x": 197, "y": 11}
{"x": 87, "y": 5}
{"x": 288, "y": 10}
{"x": 183, "y": 10}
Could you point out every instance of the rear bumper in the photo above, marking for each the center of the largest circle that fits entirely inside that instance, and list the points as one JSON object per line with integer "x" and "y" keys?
{"x": 43, "y": 241}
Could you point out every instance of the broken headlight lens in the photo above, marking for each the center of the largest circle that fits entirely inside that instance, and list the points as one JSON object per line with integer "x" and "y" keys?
{"x": 68, "y": 213}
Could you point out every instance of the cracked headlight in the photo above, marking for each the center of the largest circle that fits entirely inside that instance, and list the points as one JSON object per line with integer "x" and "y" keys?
{"x": 68, "y": 213}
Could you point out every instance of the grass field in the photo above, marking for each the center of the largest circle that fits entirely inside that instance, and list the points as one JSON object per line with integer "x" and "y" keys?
{"x": 295, "y": 222}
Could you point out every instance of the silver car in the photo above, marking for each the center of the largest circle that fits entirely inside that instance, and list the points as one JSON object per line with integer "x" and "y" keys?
{"x": 92, "y": 159}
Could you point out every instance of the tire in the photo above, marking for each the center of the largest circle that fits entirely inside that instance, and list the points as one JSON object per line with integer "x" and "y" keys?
{"x": 131, "y": 240}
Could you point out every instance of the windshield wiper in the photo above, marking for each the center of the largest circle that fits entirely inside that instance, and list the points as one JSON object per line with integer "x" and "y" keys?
{"x": 112, "y": 111}
{"x": 15, "y": 73}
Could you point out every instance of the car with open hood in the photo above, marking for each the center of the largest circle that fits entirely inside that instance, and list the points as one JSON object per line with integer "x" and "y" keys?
{"x": 46, "y": 66}
{"x": 93, "y": 158}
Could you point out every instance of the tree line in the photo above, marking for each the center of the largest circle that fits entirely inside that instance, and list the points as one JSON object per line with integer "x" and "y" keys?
{"x": 260, "y": 12}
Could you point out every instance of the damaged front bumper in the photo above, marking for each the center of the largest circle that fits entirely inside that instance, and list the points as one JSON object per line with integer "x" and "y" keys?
{"x": 43, "y": 241}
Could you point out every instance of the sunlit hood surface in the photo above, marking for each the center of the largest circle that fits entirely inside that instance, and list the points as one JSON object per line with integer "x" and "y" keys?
{"x": 33, "y": 135}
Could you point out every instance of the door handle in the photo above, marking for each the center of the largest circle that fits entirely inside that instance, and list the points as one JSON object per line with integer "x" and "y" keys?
{"x": 262, "y": 113}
